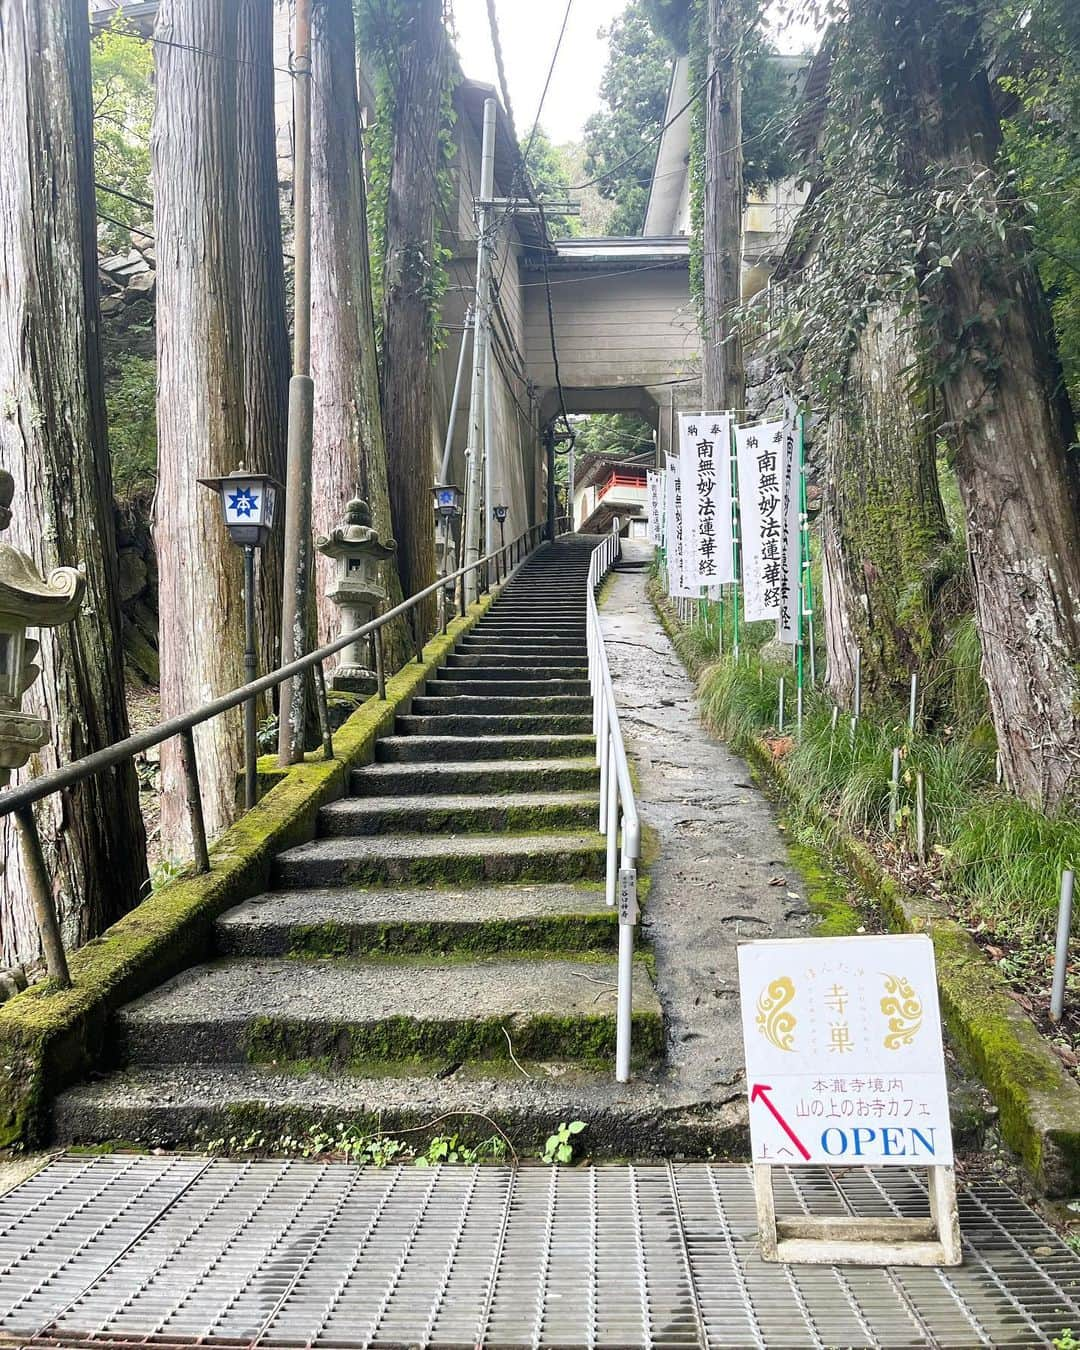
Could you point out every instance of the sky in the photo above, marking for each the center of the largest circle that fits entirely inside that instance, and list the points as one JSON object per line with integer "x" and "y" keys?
{"x": 529, "y": 30}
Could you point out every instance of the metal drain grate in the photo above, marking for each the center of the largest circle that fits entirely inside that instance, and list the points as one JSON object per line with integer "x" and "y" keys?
{"x": 169, "y": 1251}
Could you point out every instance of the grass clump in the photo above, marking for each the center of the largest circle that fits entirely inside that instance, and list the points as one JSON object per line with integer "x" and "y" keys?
{"x": 1006, "y": 858}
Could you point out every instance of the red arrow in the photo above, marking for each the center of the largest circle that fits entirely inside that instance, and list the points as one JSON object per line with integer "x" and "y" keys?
{"x": 758, "y": 1091}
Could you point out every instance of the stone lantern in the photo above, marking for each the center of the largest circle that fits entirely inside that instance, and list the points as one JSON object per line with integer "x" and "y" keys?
{"x": 26, "y": 599}
{"x": 357, "y": 591}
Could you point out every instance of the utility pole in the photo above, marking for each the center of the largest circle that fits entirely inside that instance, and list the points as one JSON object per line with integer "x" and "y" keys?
{"x": 480, "y": 446}
{"x": 295, "y": 597}
{"x": 478, "y": 401}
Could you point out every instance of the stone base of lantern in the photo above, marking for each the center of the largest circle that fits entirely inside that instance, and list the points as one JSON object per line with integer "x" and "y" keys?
{"x": 354, "y": 680}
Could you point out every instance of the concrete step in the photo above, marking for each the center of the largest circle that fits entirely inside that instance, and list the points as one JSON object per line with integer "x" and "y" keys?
{"x": 425, "y": 749}
{"x": 503, "y": 689}
{"x": 538, "y": 646}
{"x": 434, "y": 860}
{"x": 487, "y": 814}
{"x": 349, "y": 1013}
{"x": 538, "y": 631}
{"x": 189, "y": 1105}
{"x": 484, "y": 776}
{"x": 540, "y": 671}
{"x": 546, "y": 662}
{"x": 475, "y": 701}
{"x": 496, "y": 724}
{"x": 480, "y": 920}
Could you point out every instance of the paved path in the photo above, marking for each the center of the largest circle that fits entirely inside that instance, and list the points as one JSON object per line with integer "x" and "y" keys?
{"x": 721, "y": 853}
{"x": 133, "y": 1250}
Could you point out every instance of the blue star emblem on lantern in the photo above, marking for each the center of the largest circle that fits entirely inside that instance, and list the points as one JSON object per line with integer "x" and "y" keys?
{"x": 243, "y": 503}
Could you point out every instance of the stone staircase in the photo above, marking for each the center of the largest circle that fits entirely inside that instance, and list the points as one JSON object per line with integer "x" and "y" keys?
{"x": 444, "y": 936}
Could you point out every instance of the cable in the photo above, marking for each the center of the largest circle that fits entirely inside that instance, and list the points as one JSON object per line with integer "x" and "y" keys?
{"x": 124, "y": 196}
{"x": 547, "y": 85}
{"x": 551, "y": 330}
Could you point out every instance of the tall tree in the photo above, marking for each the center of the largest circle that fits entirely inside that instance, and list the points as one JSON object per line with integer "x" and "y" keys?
{"x": 349, "y": 449}
{"x": 53, "y": 442}
{"x": 410, "y": 271}
{"x": 887, "y": 551}
{"x": 200, "y": 399}
{"x": 263, "y": 318}
{"x": 1001, "y": 384}
{"x": 723, "y": 379}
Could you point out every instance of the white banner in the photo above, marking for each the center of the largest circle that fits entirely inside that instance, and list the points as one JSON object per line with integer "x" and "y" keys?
{"x": 788, "y": 624}
{"x": 759, "y": 450}
{"x": 676, "y": 532}
{"x": 844, "y": 1064}
{"x": 655, "y": 532}
{"x": 705, "y": 454}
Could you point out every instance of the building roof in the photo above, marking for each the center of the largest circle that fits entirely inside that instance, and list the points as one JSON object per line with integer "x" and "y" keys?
{"x": 602, "y": 254}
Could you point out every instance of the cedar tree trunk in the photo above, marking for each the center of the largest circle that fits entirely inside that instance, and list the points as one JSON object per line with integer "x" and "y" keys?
{"x": 886, "y": 542}
{"x": 407, "y": 275}
{"x": 53, "y": 443}
{"x": 723, "y": 380}
{"x": 349, "y": 457}
{"x": 1005, "y": 401}
{"x": 200, "y": 403}
{"x": 263, "y": 317}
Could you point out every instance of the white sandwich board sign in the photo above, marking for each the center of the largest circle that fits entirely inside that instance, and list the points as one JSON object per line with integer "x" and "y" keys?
{"x": 845, "y": 1067}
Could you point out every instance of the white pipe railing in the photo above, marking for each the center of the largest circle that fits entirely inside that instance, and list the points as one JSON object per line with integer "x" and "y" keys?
{"x": 616, "y": 794}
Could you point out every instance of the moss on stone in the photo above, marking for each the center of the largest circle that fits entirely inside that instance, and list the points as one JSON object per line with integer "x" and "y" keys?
{"x": 585, "y": 1039}
{"x": 51, "y": 1037}
{"x": 562, "y": 933}
{"x": 1037, "y": 1101}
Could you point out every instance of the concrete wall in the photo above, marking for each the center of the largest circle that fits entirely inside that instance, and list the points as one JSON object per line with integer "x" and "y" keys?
{"x": 617, "y": 329}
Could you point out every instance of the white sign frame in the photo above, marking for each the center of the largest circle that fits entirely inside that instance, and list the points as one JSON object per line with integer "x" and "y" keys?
{"x": 866, "y": 1007}
{"x": 705, "y": 456}
{"x": 760, "y": 518}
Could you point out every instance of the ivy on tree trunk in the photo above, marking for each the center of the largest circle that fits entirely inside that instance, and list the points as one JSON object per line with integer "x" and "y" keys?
{"x": 1004, "y": 397}
{"x": 53, "y": 443}
{"x": 886, "y": 545}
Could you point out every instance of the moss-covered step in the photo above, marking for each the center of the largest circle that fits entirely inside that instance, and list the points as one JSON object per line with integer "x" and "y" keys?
{"x": 432, "y": 749}
{"x": 483, "y": 776}
{"x": 504, "y": 689}
{"x": 422, "y": 860}
{"x": 494, "y": 724}
{"x": 190, "y": 1105}
{"x": 506, "y": 704}
{"x": 488, "y": 814}
{"x": 342, "y": 1013}
{"x": 480, "y": 920}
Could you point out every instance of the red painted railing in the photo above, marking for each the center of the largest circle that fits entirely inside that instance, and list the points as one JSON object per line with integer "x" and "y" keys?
{"x": 617, "y": 479}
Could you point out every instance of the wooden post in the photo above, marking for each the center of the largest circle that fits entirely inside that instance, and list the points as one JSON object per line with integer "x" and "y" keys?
{"x": 194, "y": 801}
{"x": 41, "y": 894}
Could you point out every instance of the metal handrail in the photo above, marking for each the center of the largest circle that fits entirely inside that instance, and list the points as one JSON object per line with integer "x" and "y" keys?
{"x": 616, "y": 790}
{"x": 19, "y": 800}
